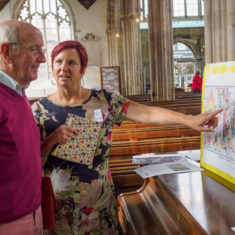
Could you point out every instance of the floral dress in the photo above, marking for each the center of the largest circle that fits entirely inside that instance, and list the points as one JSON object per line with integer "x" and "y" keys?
{"x": 85, "y": 194}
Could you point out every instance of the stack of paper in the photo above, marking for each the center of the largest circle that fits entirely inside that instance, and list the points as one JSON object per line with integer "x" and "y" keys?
{"x": 160, "y": 164}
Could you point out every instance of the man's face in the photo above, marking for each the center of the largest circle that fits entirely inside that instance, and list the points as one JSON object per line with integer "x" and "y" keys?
{"x": 27, "y": 59}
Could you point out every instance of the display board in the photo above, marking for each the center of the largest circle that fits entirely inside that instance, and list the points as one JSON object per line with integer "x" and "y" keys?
{"x": 110, "y": 78}
{"x": 218, "y": 147}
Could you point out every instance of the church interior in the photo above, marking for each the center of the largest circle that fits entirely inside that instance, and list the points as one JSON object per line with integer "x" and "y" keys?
{"x": 149, "y": 52}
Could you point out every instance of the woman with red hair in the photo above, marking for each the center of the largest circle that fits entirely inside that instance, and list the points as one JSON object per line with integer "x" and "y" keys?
{"x": 76, "y": 126}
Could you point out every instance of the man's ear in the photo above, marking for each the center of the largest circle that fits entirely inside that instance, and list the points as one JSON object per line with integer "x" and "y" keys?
{"x": 6, "y": 52}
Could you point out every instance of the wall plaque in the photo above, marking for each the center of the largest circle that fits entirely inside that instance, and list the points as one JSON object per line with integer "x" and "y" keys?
{"x": 110, "y": 78}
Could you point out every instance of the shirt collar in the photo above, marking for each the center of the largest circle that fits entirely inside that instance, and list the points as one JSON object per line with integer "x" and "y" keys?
{"x": 10, "y": 82}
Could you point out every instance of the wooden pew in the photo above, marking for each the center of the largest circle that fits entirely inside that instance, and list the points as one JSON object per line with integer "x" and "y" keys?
{"x": 159, "y": 145}
{"x": 138, "y": 98}
{"x": 186, "y": 104}
{"x": 188, "y": 111}
{"x": 179, "y": 95}
{"x": 133, "y": 138}
{"x": 120, "y": 159}
{"x": 173, "y": 102}
{"x": 152, "y": 132}
{"x": 183, "y": 95}
{"x": 123, "y": 174}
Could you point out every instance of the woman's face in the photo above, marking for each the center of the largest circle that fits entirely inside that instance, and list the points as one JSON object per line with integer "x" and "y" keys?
{"x": 67, "y": 67}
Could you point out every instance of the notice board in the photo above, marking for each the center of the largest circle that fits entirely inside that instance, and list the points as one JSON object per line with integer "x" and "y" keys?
{"x": 218, "y": 147}
{"x": 110, "y": 78}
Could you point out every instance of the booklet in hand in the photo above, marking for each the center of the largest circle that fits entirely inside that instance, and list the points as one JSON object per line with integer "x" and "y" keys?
{"x": 80, "y": 148}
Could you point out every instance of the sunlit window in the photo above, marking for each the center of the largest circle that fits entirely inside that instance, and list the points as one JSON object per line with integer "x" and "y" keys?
{"x": 144, "y": 10}
{"x": 192, "y": 7}
{"x": 188, "y": 8}
{"x": 182, "y": 51}
{"x": 202, "y": 7}
{"x": 179, "y": 8}
{"x": 51, "y": 17}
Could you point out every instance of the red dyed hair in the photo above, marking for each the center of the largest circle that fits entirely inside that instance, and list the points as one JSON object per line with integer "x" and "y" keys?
{"x": 72, "y": 44}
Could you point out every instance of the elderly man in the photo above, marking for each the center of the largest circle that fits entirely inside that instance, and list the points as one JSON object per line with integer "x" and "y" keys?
{"x": 21, "y": 54}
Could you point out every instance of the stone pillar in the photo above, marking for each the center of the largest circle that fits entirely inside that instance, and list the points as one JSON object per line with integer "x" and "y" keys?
{"x": 132, "y": 66}
{"x": 231, "y": 29}
{"x": 161, "y": 49}
{"x": 219, "y": 30}
{"x": 114, "y": 32}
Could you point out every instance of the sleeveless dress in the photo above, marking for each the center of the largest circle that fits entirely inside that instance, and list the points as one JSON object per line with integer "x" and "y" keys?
{"x": 84, "y": 192}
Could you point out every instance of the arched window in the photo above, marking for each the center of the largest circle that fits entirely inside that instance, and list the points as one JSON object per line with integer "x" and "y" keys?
{"x": 185, "y": 65}
{"x": 182, "y": 51}
{"x": 52, "y": 18}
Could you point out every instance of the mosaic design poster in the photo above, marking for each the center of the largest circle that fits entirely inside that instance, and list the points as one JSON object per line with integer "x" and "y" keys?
{"x": 218, "y": 147}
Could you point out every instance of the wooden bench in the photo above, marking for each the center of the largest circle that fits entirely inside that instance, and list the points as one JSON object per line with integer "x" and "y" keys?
{"x": 159, "y": 145}
{"x": 133, "y": 138}
{"x": 120, "y": 160}
{"x": 179, "y": 95}
{"x": 185, "y": 105}
{"x": 173, "y": 102}
{"x": 152, "y": 132}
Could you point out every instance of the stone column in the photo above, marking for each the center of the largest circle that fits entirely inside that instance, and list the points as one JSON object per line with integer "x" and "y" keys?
{"x": 114, "y": 32}
{"x": 161, "y": 49}
{"x": 219, "y": 30}
{"x": 132, "y": 66}
{"x": 231, "y": 29}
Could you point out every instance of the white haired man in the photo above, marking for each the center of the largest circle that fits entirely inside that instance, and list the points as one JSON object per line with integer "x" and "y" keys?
{"x": 21, "y": 53}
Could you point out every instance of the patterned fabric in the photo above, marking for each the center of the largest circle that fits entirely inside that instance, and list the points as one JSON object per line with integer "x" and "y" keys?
{"x": 85, "y": 196}
{"x": 80, "y": 148}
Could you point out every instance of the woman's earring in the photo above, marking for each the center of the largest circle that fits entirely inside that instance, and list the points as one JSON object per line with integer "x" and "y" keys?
{"x": 52, "y": 81}
{"x": 82, "y": 81}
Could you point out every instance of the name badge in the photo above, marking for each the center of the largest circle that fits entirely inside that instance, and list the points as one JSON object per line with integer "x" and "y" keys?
{"x": 98, "y": 115}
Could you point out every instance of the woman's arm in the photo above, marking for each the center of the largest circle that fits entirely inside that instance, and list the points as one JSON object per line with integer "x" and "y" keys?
{"x": 59, "y": 136}
{"x": 155, "y": 115}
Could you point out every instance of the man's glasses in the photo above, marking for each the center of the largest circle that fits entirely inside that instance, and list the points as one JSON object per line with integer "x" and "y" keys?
{"x": 36, "y": 50}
